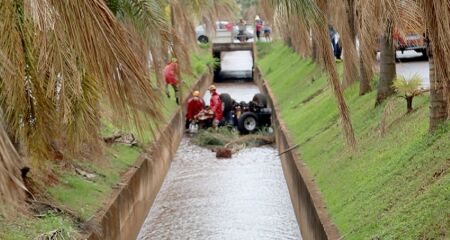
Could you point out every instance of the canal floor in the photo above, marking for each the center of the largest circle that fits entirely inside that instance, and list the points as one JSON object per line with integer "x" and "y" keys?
{"x": 202, "y": 197}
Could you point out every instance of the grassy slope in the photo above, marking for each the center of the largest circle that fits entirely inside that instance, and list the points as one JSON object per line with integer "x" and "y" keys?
{"x": 396, "y": 186}
{"x": 85, "y": 197}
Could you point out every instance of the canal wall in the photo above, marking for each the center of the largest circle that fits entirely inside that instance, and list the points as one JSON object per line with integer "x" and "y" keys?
{"x": 123, "y": 217}
{"x": 310, "y": 210}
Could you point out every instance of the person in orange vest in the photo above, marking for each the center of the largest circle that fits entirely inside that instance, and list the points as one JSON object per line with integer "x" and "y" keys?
{"x": 215, "y": 105}
{"x": 171, "y": 77}
{"x": 194, "y": 106}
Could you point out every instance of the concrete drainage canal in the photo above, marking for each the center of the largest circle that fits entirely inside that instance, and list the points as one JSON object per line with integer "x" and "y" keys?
{"x": 203, "y": 197}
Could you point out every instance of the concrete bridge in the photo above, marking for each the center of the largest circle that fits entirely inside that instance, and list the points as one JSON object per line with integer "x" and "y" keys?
{"x": 237, "y": 60}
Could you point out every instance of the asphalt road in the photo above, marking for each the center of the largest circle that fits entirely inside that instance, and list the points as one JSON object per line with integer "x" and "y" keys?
{"x": 411, "y": 63}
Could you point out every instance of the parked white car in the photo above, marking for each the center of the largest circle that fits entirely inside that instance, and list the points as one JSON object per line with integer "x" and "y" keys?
{"x": 203, "y": 36}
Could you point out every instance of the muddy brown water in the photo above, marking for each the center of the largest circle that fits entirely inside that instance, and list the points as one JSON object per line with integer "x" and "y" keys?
{"x": 202, "y": 197}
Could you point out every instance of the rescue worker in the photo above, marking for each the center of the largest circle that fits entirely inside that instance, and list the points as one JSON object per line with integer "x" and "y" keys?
{"x": 194, "y": 106}
{"x": 215, "y": 105}
{"x": 171, "y": 77}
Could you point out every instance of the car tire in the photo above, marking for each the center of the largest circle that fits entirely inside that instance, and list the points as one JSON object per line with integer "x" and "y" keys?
{"x": 247, "y": 123}
{"x": 203, "y": 39}
{"x": 424, "y": 54}
{"x": 260, "y": 99}
{"x": 227, "y": 102}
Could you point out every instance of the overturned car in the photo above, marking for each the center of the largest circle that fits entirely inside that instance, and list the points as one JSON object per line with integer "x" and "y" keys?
{"x": 247, "y": 117}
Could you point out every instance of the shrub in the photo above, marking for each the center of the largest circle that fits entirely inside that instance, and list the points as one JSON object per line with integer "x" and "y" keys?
{"x": 408, "y": 88}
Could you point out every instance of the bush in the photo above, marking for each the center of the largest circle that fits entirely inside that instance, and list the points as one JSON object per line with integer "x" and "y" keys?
{"x": 408, "y": 88}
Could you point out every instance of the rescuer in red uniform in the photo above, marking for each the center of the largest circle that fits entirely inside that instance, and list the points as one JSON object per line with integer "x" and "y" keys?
{"x": 215, "y": 105}
{"x": 171, "y": 77}
{"x": 194, "y": 106}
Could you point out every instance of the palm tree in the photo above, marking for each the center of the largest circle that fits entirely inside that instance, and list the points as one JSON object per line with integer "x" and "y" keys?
{"x": 11, "y": 187}
{"x": 365, "y": 76}
{"x": 438, "y": 103}
{"x": 313, "y": 12}
{"x": 387, "y": 66}
{"x": 366, "y": 23}
{"x": 438, "y": 30}
{"x": 387, "y": 15}
{"x": 61, "y": 62}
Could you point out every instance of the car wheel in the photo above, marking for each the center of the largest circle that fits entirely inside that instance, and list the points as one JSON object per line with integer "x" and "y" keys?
{"x": 260, "y": 99}
{"x": 227, "y": 102}
{"x": 247, "y": 123}
{"x": 203, "y": 39}
{"x": 425, "y": 54}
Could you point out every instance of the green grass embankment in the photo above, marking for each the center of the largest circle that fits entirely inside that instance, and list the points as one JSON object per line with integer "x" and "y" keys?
{"x": 83, "y": 197}
{"x": 397, "y": 186}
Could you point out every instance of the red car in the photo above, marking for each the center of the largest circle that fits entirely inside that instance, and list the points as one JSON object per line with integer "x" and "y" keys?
{"x": 411, "y": 41}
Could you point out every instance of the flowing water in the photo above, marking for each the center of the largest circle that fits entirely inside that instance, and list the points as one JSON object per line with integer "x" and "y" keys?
{"x": 202, "y": 197}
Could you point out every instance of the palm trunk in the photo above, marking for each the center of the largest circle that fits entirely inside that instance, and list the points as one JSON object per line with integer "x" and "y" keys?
{"x": 365, "y": 76}
{"x": 349, "y": 46}
{"x": 409, "y": 104}
{"x": 387, "y": 68}
{"x": 315, "y": 51}
{"x": 438, "y": 103}
{"x": 438, "y": 60}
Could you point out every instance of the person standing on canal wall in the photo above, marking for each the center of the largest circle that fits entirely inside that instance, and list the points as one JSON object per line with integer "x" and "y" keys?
{"x": 171, "y": 77}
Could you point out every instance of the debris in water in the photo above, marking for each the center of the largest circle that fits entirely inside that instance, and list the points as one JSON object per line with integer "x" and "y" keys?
{"x": 223, "y": 153}
{"x": 226, "y": 142}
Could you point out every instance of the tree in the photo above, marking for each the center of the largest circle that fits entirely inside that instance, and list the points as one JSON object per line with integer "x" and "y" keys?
{"x": 438, "y": 30}
{"x": 438, "y": 103}
{"x": 376, "y": 23}
{"x": 365, "y": 14}
{"x": 11, "y": 187}
{"x": 365, "y": 76}
{"x": 313, "y": 12}
{"x": 61, "y": 62}
{"x": 408, "y": 88}
{"x": 387, "y": 66}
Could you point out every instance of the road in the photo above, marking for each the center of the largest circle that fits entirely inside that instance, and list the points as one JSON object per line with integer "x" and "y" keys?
{"x": 411, "y": 63}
